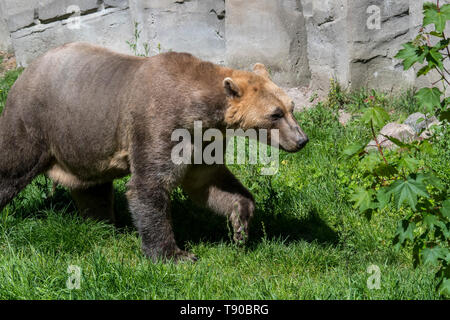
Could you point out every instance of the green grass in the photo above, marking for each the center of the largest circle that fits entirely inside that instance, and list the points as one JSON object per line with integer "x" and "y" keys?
{"x": 306, "y": 241}
{"x": 6, "y": 83}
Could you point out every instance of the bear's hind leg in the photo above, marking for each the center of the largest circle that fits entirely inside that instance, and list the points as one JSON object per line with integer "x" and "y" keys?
{"x": 96, "y": 202}
{"x": 21, "y": 160}
{"x": 11, "y": 186}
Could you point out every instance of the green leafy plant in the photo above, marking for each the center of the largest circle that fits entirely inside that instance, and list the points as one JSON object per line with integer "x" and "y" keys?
{"x": 134, "y": 44}
{"x": 400, "y": 179}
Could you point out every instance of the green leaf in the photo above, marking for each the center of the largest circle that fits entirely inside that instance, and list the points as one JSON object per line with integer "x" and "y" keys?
{"x": 385, "y": 170}
{"x": 445, "y": 10}
{"x": 383, "y": 198}
{"x": 430, "y": 179}
{"x": 432, "y": 221}
{"x": 445, "y": 102}
{"x": 444, "y": 287}
{"x": 431, "y": 256}
{"x": 363, "y": 199}
{"x": 354, "y": 149}
{"x": 424, "y": 71}
{"x": 437, "y": 34}
{"x": 426, "y": 147}
{"x": 411, "y": 54}
{"x": 443, "y": 44}
{"x": 445, "y": 210}
{"x": 408, "y": 163}
{"x": 370, "y": 161}
{"x": 434, "y": 58}
{"x": 438, "y": 17}
{"x": 407, "y": 191}
{"x": 429, "y": 98}
{"x": 398, "y": 143}
{"x": 378, "y": 116}
{"x": 405, "y": 231}
{"x": 445, "y": 115}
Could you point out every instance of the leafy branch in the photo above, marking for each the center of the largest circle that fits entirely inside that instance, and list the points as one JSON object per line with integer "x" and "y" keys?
{"x": 398, "y": 179}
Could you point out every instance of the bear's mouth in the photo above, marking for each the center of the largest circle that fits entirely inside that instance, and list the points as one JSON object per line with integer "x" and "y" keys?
{"x": 299, "y": 146}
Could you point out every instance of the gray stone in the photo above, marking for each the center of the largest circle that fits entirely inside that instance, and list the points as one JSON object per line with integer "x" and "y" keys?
{"x": 270, "y": 32}
{"x": 5, "y": 39}
{"x": 197, "y": 27}
{"x": 426, "y": 134}
{"x": 303, "y": 97}
{"x": 51, "y": 9}
{"x": 303, "y": 42}
{"x": 115, "y": 24}
{"x": 344, "y": 117}
{"x": 21, "y": 13}
{"x": 419, "y": 122}
{"x": 25, "y": 13}
{"x": 327, "y": 42}
{"x": 372, "y": 62}
{"x": 401, "y": 132}
{"x": 116, "y": 3}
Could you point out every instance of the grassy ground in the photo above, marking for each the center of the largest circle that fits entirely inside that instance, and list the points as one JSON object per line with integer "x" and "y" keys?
{"x": 307, "y": 242}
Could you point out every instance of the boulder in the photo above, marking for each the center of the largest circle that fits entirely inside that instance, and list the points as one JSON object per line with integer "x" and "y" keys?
{"x": 419, "y": 122}
{"x": 344, "y": 117}
{"x": 399, "y": 131}
{"x": 426, "y": 134}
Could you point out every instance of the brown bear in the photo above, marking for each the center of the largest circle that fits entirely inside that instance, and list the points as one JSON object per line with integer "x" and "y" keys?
{"x": 85, "y": 115}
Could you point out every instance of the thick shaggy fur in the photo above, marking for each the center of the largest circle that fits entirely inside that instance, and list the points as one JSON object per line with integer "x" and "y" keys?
{"x": 85, "y": 116}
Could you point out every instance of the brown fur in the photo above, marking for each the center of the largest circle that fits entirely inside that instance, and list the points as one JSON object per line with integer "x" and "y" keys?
{"x": 85, "y": 116}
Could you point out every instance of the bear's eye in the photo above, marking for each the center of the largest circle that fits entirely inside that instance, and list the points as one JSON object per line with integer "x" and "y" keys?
{"x": 278, "y": 114}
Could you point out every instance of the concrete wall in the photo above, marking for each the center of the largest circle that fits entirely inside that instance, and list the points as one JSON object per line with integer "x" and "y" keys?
{"x": 303, "y": 42}
{"x": 197, "y": 27}
{"x": 270, "y": 32}
{"x": 5, "y": 39}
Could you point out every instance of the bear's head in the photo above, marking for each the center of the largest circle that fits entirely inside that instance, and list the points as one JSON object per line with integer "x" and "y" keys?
{"x": 255, "y": 102}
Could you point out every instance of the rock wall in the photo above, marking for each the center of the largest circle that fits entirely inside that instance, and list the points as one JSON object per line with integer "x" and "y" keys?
{"x": 5, "y": 39}
{"x": 270, "y": 32}
{"x": 197, "y": 26}
{"x": 328, "y": 41}
{"x": 303, "y": 42}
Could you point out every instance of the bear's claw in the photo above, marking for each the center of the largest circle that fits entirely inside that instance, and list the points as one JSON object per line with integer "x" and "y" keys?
{"x": 184, "y": 256}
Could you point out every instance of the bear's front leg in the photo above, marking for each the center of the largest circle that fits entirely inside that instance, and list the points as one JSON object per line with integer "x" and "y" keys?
{"x": 215, "y": 187}
{"x": 149, "y": 203}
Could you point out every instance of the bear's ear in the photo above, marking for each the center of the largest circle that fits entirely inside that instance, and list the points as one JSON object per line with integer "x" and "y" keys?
{"x": 231, "y": 88}
{"x": 261, "y": 70}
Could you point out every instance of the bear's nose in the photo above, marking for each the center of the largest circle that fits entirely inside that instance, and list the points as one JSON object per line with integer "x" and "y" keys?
{"x": 302, "y": 142}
